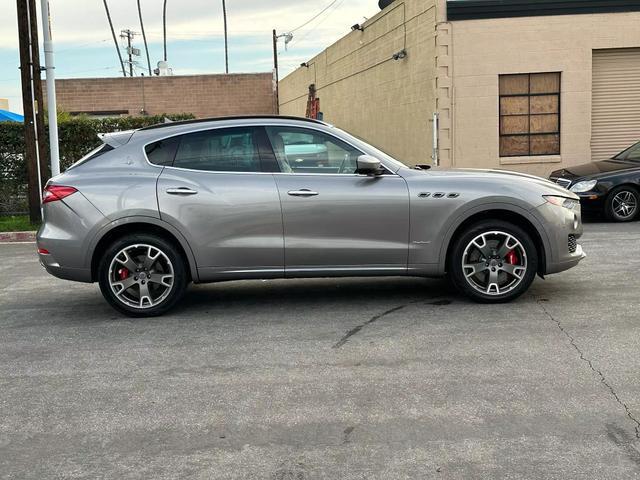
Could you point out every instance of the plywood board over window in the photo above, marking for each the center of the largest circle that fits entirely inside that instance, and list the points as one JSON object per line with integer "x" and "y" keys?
{"x": 529, "y": 114}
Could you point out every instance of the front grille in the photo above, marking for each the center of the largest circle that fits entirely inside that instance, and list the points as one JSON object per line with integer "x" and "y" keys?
{"x": 563, "y": 182}
{"x": 572, "y": 244}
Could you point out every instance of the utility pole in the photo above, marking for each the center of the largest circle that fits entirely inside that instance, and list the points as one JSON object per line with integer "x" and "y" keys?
{"x": 128, "y": 34}
{"x": 226, "y": 48}
{"x": 30, "y": 107}
{"x": 275, "y": 66}
{"x": 51, "y": 89}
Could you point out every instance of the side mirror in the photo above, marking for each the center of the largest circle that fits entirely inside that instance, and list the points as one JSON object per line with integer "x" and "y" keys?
{"x": 368, "y": 165}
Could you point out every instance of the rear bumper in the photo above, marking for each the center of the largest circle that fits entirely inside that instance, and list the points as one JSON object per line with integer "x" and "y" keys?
{"x": 53, "y": 267}
{"x": 65, "y": 232}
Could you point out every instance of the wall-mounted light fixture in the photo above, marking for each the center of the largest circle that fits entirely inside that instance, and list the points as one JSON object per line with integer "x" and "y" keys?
{"x": 400, "y": 55}
{"x": 357, "y": 26}
{"x": 304, "y": 64}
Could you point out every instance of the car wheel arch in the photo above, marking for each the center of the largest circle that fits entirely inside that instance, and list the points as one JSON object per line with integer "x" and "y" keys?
{"x": 148, "y": 225}
{"x": 506, "y": 212}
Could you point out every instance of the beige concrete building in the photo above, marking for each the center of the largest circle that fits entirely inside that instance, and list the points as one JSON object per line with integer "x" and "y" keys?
{"x": 529, "y": 86}
{"x": 4, "y": 104}
{"x": 200, "y": 95}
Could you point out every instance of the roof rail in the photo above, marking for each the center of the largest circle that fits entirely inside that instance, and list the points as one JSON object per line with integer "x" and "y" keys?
{"x": 233, "y": 117}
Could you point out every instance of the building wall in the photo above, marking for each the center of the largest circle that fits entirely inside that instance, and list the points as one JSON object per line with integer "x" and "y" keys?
{"x": 387, "y": 102}
{"x": 4, "y": 104}
{"x": 201, "y": 95}
{"x": 484, "y": 49}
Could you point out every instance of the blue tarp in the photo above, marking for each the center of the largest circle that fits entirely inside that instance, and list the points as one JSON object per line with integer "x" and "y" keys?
{"x": 7, "y": 116}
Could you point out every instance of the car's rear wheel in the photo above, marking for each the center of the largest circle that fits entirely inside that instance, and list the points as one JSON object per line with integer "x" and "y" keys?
{"x": 622, "y": 204}
{"x": 493, "y": 261}
{"x": 142, "y": 275}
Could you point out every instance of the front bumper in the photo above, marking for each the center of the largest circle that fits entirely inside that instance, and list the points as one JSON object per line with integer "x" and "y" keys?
{"x": 592, "y": 202}
{"x": 564, "y": 229}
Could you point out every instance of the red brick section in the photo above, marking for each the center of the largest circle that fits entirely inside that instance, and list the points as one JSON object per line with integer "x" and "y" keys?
{"x": 201, "y": 95}
{"x": 17, "y": 237}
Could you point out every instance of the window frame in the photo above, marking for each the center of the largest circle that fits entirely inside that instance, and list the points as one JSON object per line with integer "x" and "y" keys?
{"x": 529, "y": 134}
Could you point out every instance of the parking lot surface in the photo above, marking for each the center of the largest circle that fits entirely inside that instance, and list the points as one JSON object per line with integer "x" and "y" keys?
{"x": 342, "y": 379}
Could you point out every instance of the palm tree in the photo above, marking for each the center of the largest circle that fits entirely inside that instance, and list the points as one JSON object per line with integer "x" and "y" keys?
{"x": 226, "y": 50}
{"x": 144, "y": 37}
{"x": 115, "y": 40}
{"x": 164, "y": 28}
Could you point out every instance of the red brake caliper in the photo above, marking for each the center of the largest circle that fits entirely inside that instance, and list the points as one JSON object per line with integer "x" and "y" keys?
{"x": 512, "y": 257}
{"x": 123, "y": 273}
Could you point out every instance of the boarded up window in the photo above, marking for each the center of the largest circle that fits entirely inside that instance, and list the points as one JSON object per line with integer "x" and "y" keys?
{"x": 529, "y": 114}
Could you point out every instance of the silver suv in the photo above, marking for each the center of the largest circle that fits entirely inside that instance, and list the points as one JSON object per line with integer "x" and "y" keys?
{"x": 200, "y": 201}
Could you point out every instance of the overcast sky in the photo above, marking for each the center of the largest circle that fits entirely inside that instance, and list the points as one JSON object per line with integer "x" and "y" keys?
{"x": 84, "y": 47}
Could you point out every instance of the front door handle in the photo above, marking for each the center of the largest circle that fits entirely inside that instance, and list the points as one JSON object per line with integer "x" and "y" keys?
{"x": 303, "y": 192}
{"x": 181, "y": 191}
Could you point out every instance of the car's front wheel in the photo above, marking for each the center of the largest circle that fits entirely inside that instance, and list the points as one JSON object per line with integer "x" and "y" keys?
{"x": 142, "y": 275}
{"x": 622, "y": 204}
{"x": 493, "y": 261}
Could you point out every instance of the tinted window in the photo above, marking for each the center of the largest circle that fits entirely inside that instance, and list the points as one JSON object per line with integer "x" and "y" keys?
{"x": 95, "y": 153}
{"x": 633, "y": 153}
{"x": 310, "y": 151}
{"x": 220, "y": 150}
{"x": 162, "y": 152}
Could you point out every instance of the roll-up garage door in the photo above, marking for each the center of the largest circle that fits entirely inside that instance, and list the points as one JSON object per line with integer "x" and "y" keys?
{"x": 615, "y": 120}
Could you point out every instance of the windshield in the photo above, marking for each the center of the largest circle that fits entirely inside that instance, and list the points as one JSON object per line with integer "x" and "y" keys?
{"x": 631, "y": 154}
{"x": 383, "y": 156}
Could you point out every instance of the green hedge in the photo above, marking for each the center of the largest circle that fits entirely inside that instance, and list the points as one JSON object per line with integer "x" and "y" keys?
{"x": 77, "y": 136}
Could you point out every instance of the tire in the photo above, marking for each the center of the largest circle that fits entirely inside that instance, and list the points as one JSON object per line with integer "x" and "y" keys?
{"x": 622, "y": 204}
{"x": 507, "y": 270}
{"x": 157, "y": 259}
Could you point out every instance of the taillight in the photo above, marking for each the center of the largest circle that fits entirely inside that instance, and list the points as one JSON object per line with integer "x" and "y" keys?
{"x": 43, "y": 251}
{"x": 53, "y": 193}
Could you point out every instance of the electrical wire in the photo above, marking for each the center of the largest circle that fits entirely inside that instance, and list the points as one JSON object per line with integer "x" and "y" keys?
{"x": 315, "y": 27}
{"x": 314, "y": 17}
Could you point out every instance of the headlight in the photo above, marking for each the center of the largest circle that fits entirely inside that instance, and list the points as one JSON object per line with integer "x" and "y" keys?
{"x": 585, "y": 186}
{"x": 565, "y": 202}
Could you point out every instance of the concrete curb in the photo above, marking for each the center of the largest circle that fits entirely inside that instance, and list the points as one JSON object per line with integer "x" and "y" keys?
{"x": 8, "y": 237}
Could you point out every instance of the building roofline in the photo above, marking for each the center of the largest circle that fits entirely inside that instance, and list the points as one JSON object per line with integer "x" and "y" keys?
{"x": 233, "y": 117}
{"x": 484, "y": 9}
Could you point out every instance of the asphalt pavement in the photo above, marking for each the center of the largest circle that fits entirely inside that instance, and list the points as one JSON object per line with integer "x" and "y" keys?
{"x": 328, "y": 378}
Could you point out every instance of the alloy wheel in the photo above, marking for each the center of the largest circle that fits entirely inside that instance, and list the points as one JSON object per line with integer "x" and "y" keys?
{"x": 494, "y": 263}
{"x": 141, "y": 276}
{"x": 624, "y": 204}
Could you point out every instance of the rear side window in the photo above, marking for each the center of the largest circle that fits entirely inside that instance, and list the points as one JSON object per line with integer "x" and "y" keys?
{"x": 95, "y": 153}
{"x": 163, "y": 152}
{"x": 219, "y": 150}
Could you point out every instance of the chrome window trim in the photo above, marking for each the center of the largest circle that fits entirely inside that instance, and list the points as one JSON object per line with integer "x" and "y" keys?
{"x": 257, "y": 124}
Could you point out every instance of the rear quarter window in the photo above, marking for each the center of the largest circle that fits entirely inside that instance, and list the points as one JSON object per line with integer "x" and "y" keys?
{"x": 162, "y": 152}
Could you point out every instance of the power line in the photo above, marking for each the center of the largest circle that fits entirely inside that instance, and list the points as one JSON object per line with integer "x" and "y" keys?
{"x": 315, "y": 27}
{"x": 314, "y": 17}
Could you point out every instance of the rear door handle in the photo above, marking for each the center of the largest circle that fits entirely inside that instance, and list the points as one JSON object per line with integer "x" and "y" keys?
{"x": 181, "y": 191}
{"x": 303, "y": 192}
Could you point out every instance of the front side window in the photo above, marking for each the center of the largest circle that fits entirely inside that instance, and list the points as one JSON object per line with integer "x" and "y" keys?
{"x": 301, "y": 150}
{"x": 219, "y": 150}
{"x": 529, "y": 114}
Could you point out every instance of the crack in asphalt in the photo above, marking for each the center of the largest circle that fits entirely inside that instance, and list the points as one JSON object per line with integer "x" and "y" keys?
{"x": 357, "y": 328}
{"x": 597, "y": 371}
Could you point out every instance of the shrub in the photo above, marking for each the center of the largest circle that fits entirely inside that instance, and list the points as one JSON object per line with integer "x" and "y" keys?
{"x": 77, "y": 136}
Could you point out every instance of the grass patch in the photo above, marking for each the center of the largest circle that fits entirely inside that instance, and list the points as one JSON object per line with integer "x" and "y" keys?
{"x": 16, "y": 223}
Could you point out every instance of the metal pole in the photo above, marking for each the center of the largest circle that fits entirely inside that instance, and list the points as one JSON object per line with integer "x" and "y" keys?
{"x": 436, "y": 146}
{"x": 226, "y": 48}
{"x": 275, "y": 66}
{"x": 51, "y": 89}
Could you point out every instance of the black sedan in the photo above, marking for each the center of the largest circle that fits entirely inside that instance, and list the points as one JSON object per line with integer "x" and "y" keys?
{"x": 609, "y": 186}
